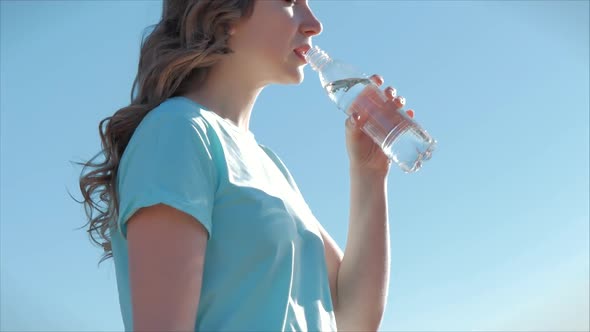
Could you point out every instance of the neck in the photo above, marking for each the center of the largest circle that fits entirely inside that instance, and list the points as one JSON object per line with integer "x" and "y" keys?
{"x": 226, "y": 93}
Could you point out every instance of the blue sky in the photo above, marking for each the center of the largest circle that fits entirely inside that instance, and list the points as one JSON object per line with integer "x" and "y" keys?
{"x": 492, "y": 233}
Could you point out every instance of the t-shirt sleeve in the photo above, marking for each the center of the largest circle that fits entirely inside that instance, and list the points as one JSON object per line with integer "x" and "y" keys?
{"x": 168, "y": 160}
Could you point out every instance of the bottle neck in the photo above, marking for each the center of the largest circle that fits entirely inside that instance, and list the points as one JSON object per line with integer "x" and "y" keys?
{"x": 317, "y": 58}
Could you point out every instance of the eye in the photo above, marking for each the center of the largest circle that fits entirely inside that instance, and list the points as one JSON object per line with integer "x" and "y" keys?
{"x": 291, "y": 2}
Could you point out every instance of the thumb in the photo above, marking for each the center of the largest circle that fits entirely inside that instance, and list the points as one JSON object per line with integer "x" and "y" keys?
{"x": 355, "y": 121}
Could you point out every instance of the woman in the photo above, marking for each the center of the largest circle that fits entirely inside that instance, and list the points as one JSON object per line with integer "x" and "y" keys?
{"x": 206, "y": 226}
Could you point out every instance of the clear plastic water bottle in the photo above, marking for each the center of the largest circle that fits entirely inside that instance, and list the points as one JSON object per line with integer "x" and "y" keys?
{"x": 400, "y": 137}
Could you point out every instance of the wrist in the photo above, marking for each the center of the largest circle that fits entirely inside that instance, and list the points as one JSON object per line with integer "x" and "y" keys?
{"x": 379, "y": 167}
{"x": 369, "y": 174}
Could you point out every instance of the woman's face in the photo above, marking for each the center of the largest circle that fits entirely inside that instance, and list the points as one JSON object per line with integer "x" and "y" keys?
{"x": 265, "y": 43}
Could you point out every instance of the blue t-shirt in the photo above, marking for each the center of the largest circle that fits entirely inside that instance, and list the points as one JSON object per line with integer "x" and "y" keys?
{"x": 265, "y": 268}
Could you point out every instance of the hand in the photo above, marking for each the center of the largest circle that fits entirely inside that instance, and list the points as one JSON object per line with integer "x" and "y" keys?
{"x": 364, "y": 154}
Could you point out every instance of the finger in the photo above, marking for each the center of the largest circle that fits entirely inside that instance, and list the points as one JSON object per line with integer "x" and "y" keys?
{"x": 399, "y": 101}
{"x": 390, "y": 93}
{"x": 377, "y": 79}
{"x": 410, "y": 113}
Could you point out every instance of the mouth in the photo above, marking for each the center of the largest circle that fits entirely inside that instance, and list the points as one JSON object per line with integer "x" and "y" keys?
{"x": 300, "y": 52}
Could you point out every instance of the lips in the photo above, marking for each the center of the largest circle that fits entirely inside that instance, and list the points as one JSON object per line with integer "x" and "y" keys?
{"x": 301, "y": 50}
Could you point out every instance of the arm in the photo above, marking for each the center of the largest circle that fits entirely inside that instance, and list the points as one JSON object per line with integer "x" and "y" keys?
{"x": 361, "y": 277}
{"x": 359, "y": 280}
{"x": 364, "y": 272}
{"x": 166, "y": 257}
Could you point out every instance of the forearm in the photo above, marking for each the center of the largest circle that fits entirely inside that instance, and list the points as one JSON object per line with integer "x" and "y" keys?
{"x": 363, "y": 275}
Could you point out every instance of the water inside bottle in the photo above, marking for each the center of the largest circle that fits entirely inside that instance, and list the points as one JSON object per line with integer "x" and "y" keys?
{"x": 343, "y": 92}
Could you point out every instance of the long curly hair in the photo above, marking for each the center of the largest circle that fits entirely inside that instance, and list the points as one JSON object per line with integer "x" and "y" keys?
{"x": 191, "y": 36}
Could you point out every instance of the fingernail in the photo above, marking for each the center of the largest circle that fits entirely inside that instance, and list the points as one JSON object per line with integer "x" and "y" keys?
{"x": 354, "y": 117}
{"x": 393, "y": 92}
{"x": 377, "y": 79}
{"x": 402, "y": 100}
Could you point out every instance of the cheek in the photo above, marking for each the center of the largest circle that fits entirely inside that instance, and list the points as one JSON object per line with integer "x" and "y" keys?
{"x": 275, "y": 32}
{"x": 270, "y": 43}
{"x": 269, "y": 38}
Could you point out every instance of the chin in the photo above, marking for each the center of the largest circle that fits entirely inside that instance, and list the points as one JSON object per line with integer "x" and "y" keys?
{"x": 295, "y": 76}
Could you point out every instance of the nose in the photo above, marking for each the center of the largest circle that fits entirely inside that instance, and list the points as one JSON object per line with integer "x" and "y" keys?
{"x": 311, "y": 26}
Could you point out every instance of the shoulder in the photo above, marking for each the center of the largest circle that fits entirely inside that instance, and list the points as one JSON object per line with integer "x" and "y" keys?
{"x": 175, "y": 129}
{"x": 176, "y": 112}
{"x": 176, "y": 121}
